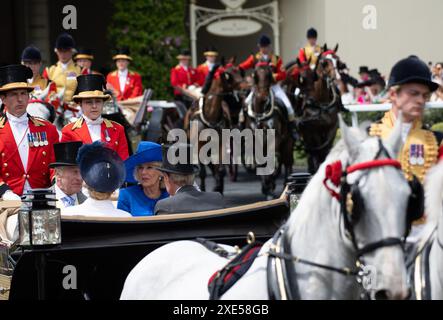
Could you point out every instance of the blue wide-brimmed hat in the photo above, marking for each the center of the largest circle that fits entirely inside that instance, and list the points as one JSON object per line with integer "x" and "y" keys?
{"x": 100, "y": 167}
{"x": 147, "y": 151}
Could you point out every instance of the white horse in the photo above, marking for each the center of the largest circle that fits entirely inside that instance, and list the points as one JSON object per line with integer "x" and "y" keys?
{"x": 431, "y": 239}
{"x": 316, "y": 232}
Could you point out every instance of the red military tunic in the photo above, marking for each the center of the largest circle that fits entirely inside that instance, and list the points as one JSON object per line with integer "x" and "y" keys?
{"x": 133, "y": 87}
{"x": 274, "y": 61}
{"x": 13, "y": 174}
{"x": 112, "y": 135}
{"x": 203, "y": 71}
{"x": 180, "y": 77}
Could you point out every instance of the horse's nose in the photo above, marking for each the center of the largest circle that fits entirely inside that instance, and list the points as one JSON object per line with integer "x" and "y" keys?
{"x": 386, "y": 294}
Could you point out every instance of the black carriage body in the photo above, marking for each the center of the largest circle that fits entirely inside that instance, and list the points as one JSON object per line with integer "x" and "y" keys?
{"x": 103, "y": 252}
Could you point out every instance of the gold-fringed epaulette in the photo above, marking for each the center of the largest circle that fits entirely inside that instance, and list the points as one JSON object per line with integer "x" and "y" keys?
{"x": 37, "y": 122}
{"x": 108, "y": 123}
{"x": 77, "y": 124}
{"x": 2, "y": 122}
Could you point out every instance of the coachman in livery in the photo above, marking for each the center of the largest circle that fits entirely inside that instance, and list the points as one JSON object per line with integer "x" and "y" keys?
{"x": 26, "y": 142}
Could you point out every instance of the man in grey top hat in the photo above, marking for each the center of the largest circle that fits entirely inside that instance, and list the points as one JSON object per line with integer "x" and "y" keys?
{"x": 179, "y": 182}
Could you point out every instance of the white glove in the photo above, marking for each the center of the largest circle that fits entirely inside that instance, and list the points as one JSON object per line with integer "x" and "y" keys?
{"x": 9, "y": 195}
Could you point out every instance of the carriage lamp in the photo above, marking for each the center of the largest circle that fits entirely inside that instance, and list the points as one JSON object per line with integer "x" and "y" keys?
{"x": 39, "y": 219}
{"x": 297, "y": 183}
{"x": 110, "y": 106}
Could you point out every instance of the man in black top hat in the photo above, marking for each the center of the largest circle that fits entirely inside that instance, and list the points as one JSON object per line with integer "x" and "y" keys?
{"x": 83, "y": 58}
{"x": 68, "y": 183}
{"x": 64, "y": 73}
{"x": 32, "y": 58}
{"x": 179, "y": 182}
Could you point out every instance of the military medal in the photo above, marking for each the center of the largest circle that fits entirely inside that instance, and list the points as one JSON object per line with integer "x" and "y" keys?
{"x": 35, "y": 139}
{"x": 45, "y": 139}
{"x": 107, "y": 138}
{"x": 40, "y": 139}
{"x": 30, "y": 143}
{"x": 421, "y": 152}
{"x": 413, "y": 154}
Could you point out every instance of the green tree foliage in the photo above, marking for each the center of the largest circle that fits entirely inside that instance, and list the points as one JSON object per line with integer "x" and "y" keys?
{"x": 155, "y": 32}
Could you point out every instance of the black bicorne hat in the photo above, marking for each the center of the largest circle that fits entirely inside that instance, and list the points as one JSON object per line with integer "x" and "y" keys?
{"x": 64, "y": 41}
{"x": 412, "y": 70}
{"x": 175, "y": 151}
{"x": 31, "y": 53}
{"x": 15, "y": 77}
{"x": 66, "y": 154}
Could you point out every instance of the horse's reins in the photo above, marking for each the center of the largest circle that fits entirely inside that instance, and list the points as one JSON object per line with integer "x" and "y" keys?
{"x": 336, "y": 177}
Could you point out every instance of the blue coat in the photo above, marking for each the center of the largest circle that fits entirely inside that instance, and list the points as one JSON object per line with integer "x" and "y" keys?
{"x": 134, "y": 201}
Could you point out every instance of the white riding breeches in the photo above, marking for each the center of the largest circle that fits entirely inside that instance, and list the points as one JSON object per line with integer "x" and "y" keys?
{"x": 280, "y": 94}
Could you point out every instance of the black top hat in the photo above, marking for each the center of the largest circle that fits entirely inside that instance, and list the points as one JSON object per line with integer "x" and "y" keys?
{"x": 84, "y": 54}
{"x": 363, "y": 69}
{"x": 64, "y": 41}
{"x": 100, "y": 167}
{"x": 184, "y": 54}
{"x": 90, "y": 86}
{"x": 122, "y": 53}
{"x": 172, "y": 154}
{"x": 412, "y": 70}
{"x": 211, "y": 51}
{"x": 311, "y": 33}
{"x": 15, "y": 77}
{"x": 66, "y": 154}
{"x": 264, "y": 41}
{"x": 31, "y": 54}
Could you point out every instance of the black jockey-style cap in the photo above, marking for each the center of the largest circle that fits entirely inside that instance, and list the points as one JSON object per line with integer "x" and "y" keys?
{"x": 101, "y": 168}
{"x": 15, "y": 77}
{"x": 178, "y": 149}
{"x": 411, "y": 70}
{"x": 30, "y": 54}
{"x": 66, "y": 154}
{"x": 312, "y": 33}
{"x": 65, "y": 41}
{"x": 264, "y": 41}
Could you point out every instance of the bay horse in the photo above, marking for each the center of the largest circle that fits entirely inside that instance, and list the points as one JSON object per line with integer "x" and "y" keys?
{"x": 212, "y": 112}
{"x": 266, "y": 112}
{"x": 317, "y": 102}
{"x": 324, "y": 239}
{"x": 425, "y": 263}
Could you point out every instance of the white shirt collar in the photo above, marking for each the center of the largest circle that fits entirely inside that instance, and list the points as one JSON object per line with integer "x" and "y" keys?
{"x": 90, "y": 122}
{"x": 405, "y": 128}
{"x": 184, "y": 67}
{"x": 59, "y": 193}
{"x": 123, "y": 73}
{"x": 22, "y": 119}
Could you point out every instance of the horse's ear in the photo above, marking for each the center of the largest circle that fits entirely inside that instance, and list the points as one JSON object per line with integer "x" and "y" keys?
{"x": 395, "y": 142}
{"x": 336, "y": 48}
{"x": 325, "y": 47}
{"x": 350, "y": 139}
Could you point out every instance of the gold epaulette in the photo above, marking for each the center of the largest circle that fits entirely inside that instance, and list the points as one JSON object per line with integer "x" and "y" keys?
{"x": 177, "y": 67}
{"x": 375, "y": 130}
{"x": 37, "y": 122}
{"x": 2, "y": 122}
{"x": 77, "y": 124}
{"x": 108, "y": 123}
{"x": 113, "y": 73}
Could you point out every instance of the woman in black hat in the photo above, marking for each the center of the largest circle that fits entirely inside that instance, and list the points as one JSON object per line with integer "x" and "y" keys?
{"x": 31, "y": 58}
{"x": 103, "y": 172}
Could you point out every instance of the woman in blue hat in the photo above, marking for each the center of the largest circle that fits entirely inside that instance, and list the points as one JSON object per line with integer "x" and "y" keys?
{"x": 141, "y": 167}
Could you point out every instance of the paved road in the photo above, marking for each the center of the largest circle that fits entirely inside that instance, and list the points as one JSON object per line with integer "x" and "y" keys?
{"x": 247, "y": 188}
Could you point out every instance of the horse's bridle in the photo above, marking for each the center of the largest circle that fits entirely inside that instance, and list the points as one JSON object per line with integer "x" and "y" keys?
{"x": 280, "y": 248}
